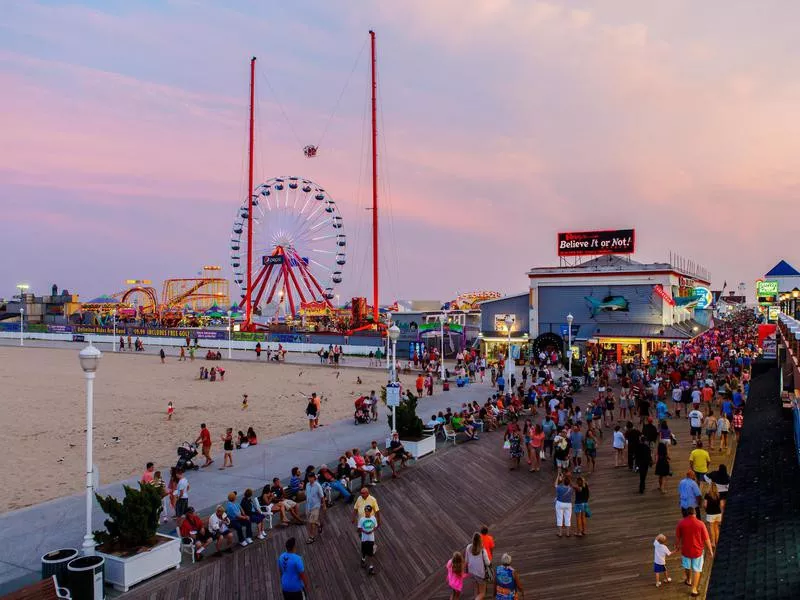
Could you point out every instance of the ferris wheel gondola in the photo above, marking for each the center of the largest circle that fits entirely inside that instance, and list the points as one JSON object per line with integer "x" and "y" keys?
{"x": 298, "y": 245}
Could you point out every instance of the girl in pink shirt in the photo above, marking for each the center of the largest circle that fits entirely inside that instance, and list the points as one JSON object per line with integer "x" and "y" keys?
{"x": 456, "y": 575}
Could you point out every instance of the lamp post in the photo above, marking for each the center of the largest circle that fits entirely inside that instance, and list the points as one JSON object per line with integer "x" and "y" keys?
{"x": 388, "y": 325}
{"x": 394, "y": 334}
{"x": 795, "y": 296}
{"x": 509, "y": 321}
{"x": 570, "y": 318}
{"x": 89, "y": 358}
{"x": 114, "y": 334}
{"x": 230, "y": 349}
{"x": 441, "y": 359}
{"x": 21, "y": 325}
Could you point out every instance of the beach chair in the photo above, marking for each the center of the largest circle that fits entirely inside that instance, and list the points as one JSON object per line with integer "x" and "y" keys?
{"x": 187, "y": 545}
{"x": 450, "y": 434}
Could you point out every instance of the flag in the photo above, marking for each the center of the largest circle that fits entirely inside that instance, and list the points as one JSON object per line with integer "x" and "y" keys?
{"x": 427, "y": 327}
{"x": 455, "y": 327}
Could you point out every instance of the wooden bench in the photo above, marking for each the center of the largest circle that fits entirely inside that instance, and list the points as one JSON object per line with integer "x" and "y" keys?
{"x": 47, "y": 589}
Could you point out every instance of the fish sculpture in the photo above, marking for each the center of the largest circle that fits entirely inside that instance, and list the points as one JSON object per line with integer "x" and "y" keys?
{"x": 686, "y": 301}
{"x": 609, "y": 303}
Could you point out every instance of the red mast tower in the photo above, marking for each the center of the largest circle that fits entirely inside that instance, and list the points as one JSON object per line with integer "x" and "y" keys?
{"x": 248, "y": 294}
{"x": 374, "y": 185}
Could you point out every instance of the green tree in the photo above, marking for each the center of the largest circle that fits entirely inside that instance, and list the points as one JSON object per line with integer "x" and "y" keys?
{"x": 134, "y": 521}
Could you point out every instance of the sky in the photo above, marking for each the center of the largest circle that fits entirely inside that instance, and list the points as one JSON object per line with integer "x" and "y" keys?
{"x": 123, "y": 132}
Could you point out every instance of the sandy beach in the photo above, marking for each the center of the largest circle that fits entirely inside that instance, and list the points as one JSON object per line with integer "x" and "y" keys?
{"x": 43, "y": 407}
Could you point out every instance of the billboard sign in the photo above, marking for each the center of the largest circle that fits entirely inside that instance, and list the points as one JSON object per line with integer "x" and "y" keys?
{"x": 273, "y": 259}
{"x": 767, "y": 287}
{"x": 589, "y": 243}
{"x": 772, "y": 313}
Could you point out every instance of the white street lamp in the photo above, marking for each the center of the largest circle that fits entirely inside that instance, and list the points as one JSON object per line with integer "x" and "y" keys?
{"x": 21, "y": 325}
{"x": 509, "y": 321}
{"x": 230, "y": 349}
{"x": 114, "y": 334}
{"x": 89, "y": 359}
{"x": 570, "y": 318}
{"x": 394, "y": 334}
{"x": 441, "y": 358}
{"x": 388, "y": 325}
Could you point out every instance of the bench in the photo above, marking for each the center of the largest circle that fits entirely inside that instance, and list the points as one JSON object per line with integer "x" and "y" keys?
{"x": 47, "y": 589}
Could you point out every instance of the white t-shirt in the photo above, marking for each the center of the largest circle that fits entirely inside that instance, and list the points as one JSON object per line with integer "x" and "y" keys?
{"x": 367, "y": 526}
{"x": 660, "y": 553}
{"x": 554, "y": 402}
{"x": 476, "y": 564}
{"x": 676, "y": 394}
{"x": 619, "y": 440}
{"x": 216, "y": 523}
{"x": 182, "y": 489}
{"x": 696, "y": 418}
{"x": 695, "y": 396}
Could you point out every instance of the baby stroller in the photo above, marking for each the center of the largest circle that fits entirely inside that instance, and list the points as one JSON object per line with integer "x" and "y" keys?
{"x": 186, "y": 452}
{"x": 362, "y": 412}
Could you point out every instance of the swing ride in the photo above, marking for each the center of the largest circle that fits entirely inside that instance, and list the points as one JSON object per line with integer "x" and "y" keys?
{"x": 288, "y": 242}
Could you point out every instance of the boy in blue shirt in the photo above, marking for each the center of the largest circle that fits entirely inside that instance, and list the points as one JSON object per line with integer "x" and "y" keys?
{"x": 293, "y": 574}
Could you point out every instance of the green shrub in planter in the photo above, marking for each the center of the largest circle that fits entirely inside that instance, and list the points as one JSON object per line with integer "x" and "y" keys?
{"x": 134, "y": 521}
{"x": 409, "y": 425}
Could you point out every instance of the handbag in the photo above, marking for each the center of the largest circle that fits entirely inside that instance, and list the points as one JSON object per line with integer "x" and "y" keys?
{"x": 488, "y": 571}
{"x": 506, "y": 445}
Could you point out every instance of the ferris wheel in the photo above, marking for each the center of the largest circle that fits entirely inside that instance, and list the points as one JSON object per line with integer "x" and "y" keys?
{"x": 299, "y": 245}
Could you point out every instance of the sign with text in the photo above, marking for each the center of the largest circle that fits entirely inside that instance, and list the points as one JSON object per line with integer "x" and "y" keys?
{"x": 272, "y": 260}
{"x": 587, "y": 243}
{"x": 772, "y": 313}
{"x": 393, "y": 394}
{"x": 659, "y": 290}
{"x": 767, "y": 288}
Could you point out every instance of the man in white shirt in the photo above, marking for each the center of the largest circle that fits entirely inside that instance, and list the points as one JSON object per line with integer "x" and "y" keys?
{"x": 696, "y": 422}
{"x": 696, "y": 395}
{"x": 182, "y": 494}
{"x": 218, "y": 527}
{"x": 366, "y": 527}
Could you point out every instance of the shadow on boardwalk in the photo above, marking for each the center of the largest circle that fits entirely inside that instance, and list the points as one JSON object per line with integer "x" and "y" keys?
{"x": 433, "y": 509}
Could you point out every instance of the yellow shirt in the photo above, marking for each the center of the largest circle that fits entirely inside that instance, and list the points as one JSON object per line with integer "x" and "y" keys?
{"x": 362, "y": 502}
{"x": 699, "y": 460}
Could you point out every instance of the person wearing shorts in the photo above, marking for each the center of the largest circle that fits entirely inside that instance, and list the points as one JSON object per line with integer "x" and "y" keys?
{"x": 366, "y": 527}
{"x": 692, "y": 540}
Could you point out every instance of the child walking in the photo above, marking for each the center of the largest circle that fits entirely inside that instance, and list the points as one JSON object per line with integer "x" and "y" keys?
{"x": 660, "y": 554}
{"x": 456, "y": 575}
{"x": 170, "y": 410}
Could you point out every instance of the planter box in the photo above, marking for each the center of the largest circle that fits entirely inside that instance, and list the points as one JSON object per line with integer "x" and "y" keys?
{"x": 419, "y": 448}
{"x": 123, "y": 572}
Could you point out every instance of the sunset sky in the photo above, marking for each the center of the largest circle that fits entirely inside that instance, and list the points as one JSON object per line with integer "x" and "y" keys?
{"x": 123, "y": 132}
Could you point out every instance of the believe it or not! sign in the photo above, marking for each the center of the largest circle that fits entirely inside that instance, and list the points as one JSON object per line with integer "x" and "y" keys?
{"x": 588, "y": 243}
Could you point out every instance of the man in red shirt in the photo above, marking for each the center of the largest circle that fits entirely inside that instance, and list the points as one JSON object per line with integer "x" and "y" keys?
{"x": 204, "y": 439}
{"x": 692, "y": 538}
{"x": 147, "y": 476}
{"x": 192, "y": 527}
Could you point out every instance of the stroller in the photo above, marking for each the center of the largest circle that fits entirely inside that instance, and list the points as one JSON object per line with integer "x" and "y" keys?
{"x": 362, "y": 412}
{"x": 186, "y": 452}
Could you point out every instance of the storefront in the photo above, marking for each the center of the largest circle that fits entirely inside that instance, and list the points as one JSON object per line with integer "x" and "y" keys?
{"x": 502, "y": 320}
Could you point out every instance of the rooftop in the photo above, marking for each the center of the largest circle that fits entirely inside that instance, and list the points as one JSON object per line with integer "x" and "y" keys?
{"x": 613, "y": 263}
{"x": 782, "y": 269}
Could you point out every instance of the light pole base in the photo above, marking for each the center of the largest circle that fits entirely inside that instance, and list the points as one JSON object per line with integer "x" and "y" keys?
{"x": 88, "y": 545}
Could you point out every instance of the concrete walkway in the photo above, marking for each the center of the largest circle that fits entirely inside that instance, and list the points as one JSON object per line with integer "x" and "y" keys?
{"x": 30, "y": 532}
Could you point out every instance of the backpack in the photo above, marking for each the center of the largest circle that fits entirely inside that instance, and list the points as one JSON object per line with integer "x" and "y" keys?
{"x": 311, "y": 409}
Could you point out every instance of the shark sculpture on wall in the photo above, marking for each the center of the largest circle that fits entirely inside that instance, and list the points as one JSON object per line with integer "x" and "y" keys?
{"x": 609, "y": 303}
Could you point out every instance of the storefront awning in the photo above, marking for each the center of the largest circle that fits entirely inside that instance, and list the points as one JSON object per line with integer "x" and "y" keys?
{"x": 680, "y": 331}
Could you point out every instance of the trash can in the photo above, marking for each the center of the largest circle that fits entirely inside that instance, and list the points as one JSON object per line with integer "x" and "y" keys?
{"x": 55, "y": 563}
{"x": 87, "y": 578}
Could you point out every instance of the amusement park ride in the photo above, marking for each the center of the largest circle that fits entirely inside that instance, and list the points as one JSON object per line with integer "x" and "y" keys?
{"x": 182, "y": 300}
{"x": 288, "y": 242}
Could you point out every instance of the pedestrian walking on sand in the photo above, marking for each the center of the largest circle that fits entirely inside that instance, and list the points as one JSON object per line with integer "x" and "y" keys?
{"x": 162, "y": 355}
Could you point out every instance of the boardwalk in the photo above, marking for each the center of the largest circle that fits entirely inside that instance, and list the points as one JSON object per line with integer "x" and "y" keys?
{"x": 434, "y": 508}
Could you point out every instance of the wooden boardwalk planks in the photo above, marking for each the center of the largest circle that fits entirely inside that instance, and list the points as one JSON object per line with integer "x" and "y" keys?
{"x": 433, "y": 509}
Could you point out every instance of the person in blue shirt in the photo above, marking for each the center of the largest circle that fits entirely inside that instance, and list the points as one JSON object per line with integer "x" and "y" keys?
{"x": 661, "y": 410}
{"x": 727, "y": 407}
{"x": 738, "y": 399}
{"x": 293, "y": 573}
{"x": 689, "y": 492}
{"x": 239, "y": 520}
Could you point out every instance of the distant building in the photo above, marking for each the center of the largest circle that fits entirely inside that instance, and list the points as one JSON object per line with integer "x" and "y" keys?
{"x": 55, "y": 309}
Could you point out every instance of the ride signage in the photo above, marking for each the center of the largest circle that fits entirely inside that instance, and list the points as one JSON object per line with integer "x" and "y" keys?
{"x": 273, "y": 259}
{"x": 588, "y": 243}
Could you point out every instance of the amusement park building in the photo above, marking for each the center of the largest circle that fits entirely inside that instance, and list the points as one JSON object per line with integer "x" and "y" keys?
{"x": 620, "y": 307}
